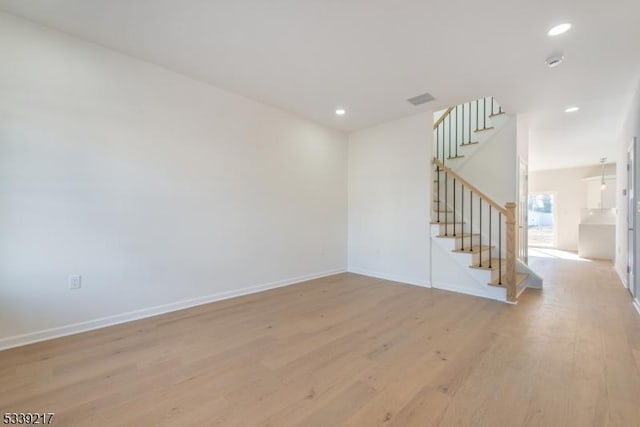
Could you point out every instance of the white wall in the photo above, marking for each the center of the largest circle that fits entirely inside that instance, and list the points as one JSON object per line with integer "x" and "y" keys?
{"x": 493, "y": 167}
{"x": 571, "y": 196}
{"x": 522, "y": 138}
{"x": 157, "y": 189}
{"x": 389, "y": 194}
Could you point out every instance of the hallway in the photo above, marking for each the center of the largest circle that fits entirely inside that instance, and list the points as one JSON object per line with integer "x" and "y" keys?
{"x": 586, "y": 332}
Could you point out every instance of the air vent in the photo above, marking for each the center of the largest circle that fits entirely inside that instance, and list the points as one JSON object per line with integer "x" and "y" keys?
{"x": 421, "y": 99}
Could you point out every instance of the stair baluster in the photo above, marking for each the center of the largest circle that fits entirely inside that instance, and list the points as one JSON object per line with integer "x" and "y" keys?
{"x": 438, "y": 142}
{"x": 499, "y": 248}
{"x": 471, "y": 217}
{"x": 455, "y": 142}
{"x": 462, "y": 216}
{"x": 480, "y": 209}
{"x": 490, "y": 251}
{"x": 462, "y": 143}
{"x": 454, "y": 209}
{"x": 477, "y": 115}
{"x": 484, "y": 113}
{"x": 449, "y": 136}
{"x": 446, "y": 198}
{"x": 438, "y": 195}
{"x": 469, "y": 123}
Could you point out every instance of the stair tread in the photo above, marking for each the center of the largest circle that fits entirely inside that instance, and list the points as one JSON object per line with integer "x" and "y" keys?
{"x": 464, "y": 144}
{"x": 497, "y": 114}
{"x": 520, "y": 277}
{"x": 494, "y": 264}
{"x": 457, "y": 236}
{"x": 446, "y": 223}
{"x": 484, "y": 129}
{"x": 474, "y": 249}
{"x": 454, "y": 157}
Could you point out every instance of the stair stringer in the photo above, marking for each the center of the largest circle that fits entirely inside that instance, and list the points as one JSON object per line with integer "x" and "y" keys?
{"x": 533, "y": 280}
{"x": 451, "y": 271}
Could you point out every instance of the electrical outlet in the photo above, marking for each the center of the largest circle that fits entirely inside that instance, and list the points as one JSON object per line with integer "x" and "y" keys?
{"x": 75, "y": 282}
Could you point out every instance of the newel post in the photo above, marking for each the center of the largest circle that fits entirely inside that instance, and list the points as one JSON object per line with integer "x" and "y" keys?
{"x": 511, "y": 251}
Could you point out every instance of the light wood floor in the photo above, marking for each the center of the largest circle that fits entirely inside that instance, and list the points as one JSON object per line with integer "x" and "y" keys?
{"x": 354, "y": 351}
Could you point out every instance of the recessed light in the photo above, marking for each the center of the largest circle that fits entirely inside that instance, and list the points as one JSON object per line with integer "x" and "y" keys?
{"x": 571, "y": 109}
{"x": 559, "y": 29}
{"x": 341, "y": 112}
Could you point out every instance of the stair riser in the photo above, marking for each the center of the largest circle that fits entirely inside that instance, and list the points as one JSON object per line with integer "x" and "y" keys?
{"x": 494, "y": 272}
{"x": 467, "y": 241}
{"x": 435, "y": 208}
{"x": 438, "y": 206}
{"x": 484, "y": 255}
{"x": 448, "y": 229}
{"x": 448, "y": 216}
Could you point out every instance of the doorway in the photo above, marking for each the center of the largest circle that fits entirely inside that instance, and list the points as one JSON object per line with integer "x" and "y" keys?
{"x": 542, "y": 220}
{"x": 523, "y": 212}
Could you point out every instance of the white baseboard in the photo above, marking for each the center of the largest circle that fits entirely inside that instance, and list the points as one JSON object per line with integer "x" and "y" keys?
{"x": 75, "y": 328}
{"x": 524, "y": 288}
{"x": 636, "y": 304}
{"x": 410, "y": 281}
{"x": 622, "y": 276}
{"x": 467, "y": 291}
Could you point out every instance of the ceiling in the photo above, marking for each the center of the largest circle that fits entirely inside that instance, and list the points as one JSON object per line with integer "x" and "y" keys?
{"x": 369, "y": 56}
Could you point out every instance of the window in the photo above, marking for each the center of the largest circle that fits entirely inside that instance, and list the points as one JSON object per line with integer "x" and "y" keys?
{"x": 542, "y": 222}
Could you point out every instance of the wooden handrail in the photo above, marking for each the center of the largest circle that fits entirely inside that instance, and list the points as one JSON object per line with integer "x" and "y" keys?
{"x": 444, "y": 115}
{"x": 471, "y": 187}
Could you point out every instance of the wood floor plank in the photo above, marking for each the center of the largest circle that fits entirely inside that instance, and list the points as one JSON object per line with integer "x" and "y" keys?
{"x": 350, "y": 350}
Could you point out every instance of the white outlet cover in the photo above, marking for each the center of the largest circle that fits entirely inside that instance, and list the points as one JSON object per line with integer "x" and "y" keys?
{"x": 75, "y": 282}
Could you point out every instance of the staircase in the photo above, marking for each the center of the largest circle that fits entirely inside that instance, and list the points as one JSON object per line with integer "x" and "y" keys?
{"x": 477, "y": 231}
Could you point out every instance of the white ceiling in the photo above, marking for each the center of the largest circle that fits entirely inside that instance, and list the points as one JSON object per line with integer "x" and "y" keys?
{"x": 368, "y": 56}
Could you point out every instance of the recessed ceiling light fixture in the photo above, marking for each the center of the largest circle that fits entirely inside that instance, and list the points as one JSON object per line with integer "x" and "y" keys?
{"x": 571, "y": 109}
{"x": 341, "y": 112}
{"x": 559, "y": 29}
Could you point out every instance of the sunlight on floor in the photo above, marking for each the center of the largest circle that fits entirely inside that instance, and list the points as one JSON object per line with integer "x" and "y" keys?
{"x": 541, "y": 235}
{"x": 555, "y": 253}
